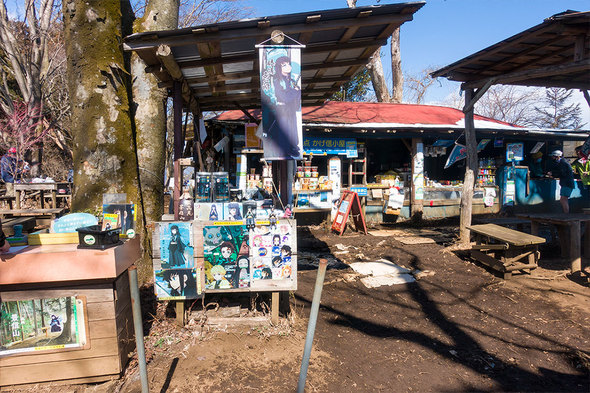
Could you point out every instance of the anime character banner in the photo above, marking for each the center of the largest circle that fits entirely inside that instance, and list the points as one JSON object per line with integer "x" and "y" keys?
{"x": 42, "y": 324}
{"x": 176, "y": 245}
{"x": 226, "y": 253}
{"x": 271, "y": 251}
{"x": 175, "y": 284}
{"x": 280, "y": 85}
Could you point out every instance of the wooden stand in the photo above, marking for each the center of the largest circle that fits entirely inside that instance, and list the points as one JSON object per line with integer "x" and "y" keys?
{"x": 41, "y": 272}
{"x": 504, "y": 249}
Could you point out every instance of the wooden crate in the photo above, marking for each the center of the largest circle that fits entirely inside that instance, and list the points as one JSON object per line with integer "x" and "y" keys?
{"x": 110, "y": 338}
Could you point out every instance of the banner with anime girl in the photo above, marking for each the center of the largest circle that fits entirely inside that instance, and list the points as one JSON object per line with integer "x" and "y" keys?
{"x": 280, "y": 86}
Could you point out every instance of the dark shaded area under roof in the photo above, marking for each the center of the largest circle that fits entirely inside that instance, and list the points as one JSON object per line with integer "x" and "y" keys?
{"x": 555, "y": 53}
{"x": 218, "y": 62}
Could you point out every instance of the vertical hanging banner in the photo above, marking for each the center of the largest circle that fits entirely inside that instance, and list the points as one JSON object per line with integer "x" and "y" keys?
{"x": 280, "y": 86}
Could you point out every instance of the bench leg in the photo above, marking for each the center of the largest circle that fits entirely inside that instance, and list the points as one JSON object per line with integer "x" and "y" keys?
{"x": 575, "y": 247}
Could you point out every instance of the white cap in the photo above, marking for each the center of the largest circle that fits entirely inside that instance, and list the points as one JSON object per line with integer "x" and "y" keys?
{"x": 556, "y": 153}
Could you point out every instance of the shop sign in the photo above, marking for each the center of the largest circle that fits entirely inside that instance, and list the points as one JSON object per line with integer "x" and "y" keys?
{"x": 361, "y": 191}
{"x": 325, "y": 146}
{"x": 514, "y": 152}
{"x": 459, "y": 152}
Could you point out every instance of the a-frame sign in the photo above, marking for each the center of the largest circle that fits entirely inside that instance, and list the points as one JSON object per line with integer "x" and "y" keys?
{"x": 349, "y": 202}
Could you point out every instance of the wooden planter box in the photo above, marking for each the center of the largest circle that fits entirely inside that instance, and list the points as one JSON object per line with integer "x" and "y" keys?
{"x": 100, "y": 277}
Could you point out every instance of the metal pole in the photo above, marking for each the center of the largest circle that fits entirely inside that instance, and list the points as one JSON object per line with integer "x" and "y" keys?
{"x": 138, "y": 325}
{"x": 313, "y": 316}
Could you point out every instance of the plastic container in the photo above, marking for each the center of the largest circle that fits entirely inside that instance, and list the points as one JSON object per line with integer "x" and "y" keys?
{"x": 92, "y": 237}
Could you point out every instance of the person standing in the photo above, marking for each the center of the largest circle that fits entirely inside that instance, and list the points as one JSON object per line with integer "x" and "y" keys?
{"x": 562, "y": 169}
{"x": 581, "y": 167}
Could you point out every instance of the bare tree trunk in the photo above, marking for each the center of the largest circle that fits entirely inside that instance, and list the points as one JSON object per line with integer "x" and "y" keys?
{"x": 470, "y": 170}
{"x": 104, "y": 158}
{"x": 378, "y": 77}
{"x": 376, "y": 69}
{"x": 150, "y": 125}
{"x": 396, "y": 69}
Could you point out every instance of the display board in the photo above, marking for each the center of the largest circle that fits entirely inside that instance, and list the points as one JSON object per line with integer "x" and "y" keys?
{"x": 52, "y": 324}
{"x": 349, "y": 202}
{"x": 191, "y": 258}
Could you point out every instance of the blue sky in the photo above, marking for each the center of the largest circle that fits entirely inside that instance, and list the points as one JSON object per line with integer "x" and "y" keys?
{"x": 444, "y": 31}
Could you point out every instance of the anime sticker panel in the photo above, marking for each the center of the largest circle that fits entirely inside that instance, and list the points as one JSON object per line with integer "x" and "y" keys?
{"x": 175, "y": 284}
{"x": 272, "y": 252}
{"x": 226, "y": 252}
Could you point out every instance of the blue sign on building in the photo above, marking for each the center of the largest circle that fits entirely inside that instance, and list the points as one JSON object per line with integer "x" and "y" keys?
{"x": 325, "y": 146}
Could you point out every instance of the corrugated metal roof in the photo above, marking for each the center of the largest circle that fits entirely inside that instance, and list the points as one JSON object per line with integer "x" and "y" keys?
{"x": 555, "y": 53}
{"x": 217, "y": 54}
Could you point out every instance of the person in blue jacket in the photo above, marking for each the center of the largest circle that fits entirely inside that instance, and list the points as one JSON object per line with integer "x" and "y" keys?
{"x": 561, "y": 169}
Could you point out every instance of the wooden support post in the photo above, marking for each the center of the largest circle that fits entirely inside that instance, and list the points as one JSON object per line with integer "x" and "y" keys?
{"x": 274, "y": 308}
{"x": 470, "y": 169}
{"x": 180, "y": 312}
{"x": 178, "y": 144}
{"x": 417, "y": 177}
{"x": 575, "y": 247}
{"x": 534, "y": 228}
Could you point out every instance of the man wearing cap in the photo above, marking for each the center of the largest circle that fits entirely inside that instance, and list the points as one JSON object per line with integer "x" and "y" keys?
{"x": 581, "y": 167}
{"x": 563, "y": 171}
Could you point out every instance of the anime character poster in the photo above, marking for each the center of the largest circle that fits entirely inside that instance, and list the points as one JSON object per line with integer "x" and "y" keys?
{"x": 176, "y": 245}
{"x": 42, "y": 324}
{"x": 226, "y": 251}
{"x": 175, "y": 284}
{"x": 233, "y": 211}
{"x": 271, "y": 251}
{"x": 280, "y": 85}
{"x": 126, "y": 213}
{"x": 209, "y": 211}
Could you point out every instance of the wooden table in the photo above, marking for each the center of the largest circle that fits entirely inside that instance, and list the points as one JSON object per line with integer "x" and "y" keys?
{"x": 505, "y": 249}
{"x": 53, "y": 213}
{"x": 41, "y": 187}
{"x": 569, "y": 229}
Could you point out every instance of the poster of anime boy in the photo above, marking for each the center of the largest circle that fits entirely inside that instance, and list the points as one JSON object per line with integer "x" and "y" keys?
{"x": 271, "y": 251}
{"x": 226, "y": 251}
{"x": 280, "y": 85}
{"x": 176, "y": 245}
{"x": 175, "y": 284}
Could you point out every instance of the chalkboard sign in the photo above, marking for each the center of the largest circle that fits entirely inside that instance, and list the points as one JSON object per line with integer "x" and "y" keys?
{"x": 73, "y": 221}
{"x": 349, "y": 202}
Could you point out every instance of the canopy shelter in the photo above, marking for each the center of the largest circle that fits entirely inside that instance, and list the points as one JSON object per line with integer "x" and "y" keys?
{"x": 555, "y": 53}
{"x": 218, "y": 63}
{"x": 215, "y": 67}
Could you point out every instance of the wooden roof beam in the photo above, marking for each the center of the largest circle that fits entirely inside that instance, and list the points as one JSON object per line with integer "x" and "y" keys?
{"x": 165, "y": 56}
{"x": 543, "y": 72}
{"x": 201, "y": 36}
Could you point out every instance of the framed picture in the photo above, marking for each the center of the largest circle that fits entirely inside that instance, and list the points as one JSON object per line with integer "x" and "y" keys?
{"x": 272, "y": 251}
{"x": 52, "y": 324}
{"x": 127, "y": 218}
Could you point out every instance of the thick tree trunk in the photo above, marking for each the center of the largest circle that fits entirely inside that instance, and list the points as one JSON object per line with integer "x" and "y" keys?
{"x": 104, "y": 158}
{"x": 378, "y": 77}
{"x": 150, "y": 124}
{"x": 470, "y": 171}
{"x": 396, "y": 69}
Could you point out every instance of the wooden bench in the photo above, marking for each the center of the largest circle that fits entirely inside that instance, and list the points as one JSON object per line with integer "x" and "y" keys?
{"x": 8, "y": 224}
{"x": 53, "y": 213}
{"x": 505, "y": 249}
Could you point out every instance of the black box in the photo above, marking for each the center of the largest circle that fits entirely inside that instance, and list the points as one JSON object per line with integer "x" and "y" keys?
{"x": 93, "y": 237}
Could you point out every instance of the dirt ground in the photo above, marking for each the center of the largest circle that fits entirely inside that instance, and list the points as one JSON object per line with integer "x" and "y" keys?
{"x": 458, "y": 328}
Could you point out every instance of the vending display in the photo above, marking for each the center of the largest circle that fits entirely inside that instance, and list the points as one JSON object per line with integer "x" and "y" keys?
{"x": 220, "y": 182}
{"x": 203, "y": 189}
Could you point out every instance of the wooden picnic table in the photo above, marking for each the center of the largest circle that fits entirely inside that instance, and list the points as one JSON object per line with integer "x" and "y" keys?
{"x": 53, "y": 213}
{"x": 505, "y": 249}
{"x": 569, "y": 228}
{"x": 41, "y": 187}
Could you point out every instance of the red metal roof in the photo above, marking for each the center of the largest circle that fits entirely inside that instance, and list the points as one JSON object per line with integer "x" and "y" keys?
{"x": 336, "y": 112}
